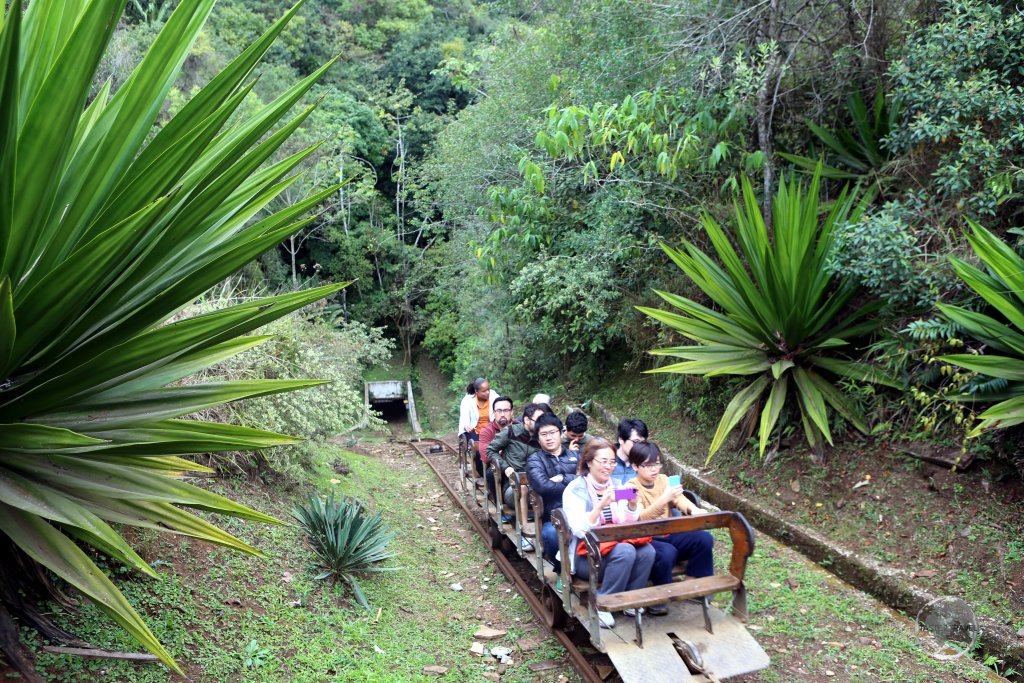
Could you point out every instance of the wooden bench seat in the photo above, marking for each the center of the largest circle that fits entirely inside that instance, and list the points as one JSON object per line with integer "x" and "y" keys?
{"x": 677, "y": 590}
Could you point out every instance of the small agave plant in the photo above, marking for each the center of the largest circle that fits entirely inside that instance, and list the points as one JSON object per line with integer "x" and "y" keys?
{"x": 346, "y": 538}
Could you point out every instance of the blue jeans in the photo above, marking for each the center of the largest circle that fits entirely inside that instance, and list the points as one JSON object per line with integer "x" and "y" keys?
{"x": 549, "y": 537}
{"x": 627, "y": 567}
{"x": 692, "y": 546}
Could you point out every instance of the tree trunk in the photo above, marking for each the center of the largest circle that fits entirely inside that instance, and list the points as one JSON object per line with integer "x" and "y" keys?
{"x": 769, "y": 33}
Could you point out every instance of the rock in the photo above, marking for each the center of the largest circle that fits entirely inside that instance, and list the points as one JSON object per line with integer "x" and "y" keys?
{"x": 477, "y": 648}
{"x": 604, "y": 671}
{"x": 829, "y": 672}
{"x": 491, "y": 676}
{"x": 528, "y": 644}
{"x": 434, "y": 670}
{"x": 488, "y": 633}
{"x": 504, "y": 654}
{"x": 457, "y": 587}
{"x": 546, "y": 665}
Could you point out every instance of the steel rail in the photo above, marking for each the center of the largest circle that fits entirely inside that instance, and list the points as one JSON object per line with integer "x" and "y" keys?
{"x": 577, "y": 659}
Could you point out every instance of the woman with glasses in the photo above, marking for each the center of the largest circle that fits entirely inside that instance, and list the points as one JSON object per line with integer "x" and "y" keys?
{"x": 658, "y": 500}
{"x": 589, "y": 501}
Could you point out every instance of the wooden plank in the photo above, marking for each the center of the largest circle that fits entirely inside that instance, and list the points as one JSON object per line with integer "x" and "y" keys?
{"x": 96, "y": 653}
{"x": 677, "y": 590}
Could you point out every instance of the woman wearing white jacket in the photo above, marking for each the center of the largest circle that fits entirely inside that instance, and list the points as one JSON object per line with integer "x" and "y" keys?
{"x": 589, "y": 501}
{"x": 475, "y": 411}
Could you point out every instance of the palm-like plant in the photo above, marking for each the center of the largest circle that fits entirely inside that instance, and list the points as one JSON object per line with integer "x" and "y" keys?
{"x": 856, "y": 153}
{"x": 103, "y": 236}
{"x": 1000, "y": 283}
{"x": 781, "y": 314}
{"x": 346, "y": 539}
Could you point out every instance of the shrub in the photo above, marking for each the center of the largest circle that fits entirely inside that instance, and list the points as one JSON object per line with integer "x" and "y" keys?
{"x": 959, "y": 81}
{"x": 882, "y": 253}
{"x": 347, "y": 539}
{"x": 300, "y": 345}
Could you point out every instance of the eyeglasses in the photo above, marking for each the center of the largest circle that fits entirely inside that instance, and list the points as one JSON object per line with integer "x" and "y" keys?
{"x": 604, "y": 463}
{"x": 638, "y": 439}
{"x": 502, "y": 410}
{"x": 548, "y": 434}
{"x": 652, "y": 465}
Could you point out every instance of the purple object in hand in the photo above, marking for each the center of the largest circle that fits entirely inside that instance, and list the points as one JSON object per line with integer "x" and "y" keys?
{"x": 625, "y": 494}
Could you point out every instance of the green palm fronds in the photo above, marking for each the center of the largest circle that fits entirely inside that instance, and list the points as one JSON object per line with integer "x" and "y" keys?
{"x": 856, "y": 153}
{"x": 780, "y": 315}
{"x": 106, "y": 231}
{"x": 1001, "y": 284}
{"x": 346, "y": 539}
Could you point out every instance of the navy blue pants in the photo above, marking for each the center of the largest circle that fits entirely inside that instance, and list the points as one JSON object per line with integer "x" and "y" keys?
{"x": 692, "y": 546}
{"x": 549, "y": 537}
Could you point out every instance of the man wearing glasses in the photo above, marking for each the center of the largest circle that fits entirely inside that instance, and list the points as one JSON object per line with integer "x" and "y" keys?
{"x": 550, "y": 470}
{"x": 630, "y": 431}
{"x": 510, "y": 448}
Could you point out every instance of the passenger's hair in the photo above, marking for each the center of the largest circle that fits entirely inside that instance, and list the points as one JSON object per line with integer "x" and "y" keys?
{"x": 542, "y": 398}
{"x": 576, "y": 422}
{"x": 506, "y": 399}
{"x": 590, "y": 450}
{"x": 475, "y": 385}
{"x": 547, "y": 420}
{"x": 530, "y": 408}
{"x": 631, "y": 424}
{"x": 644, "y": 453}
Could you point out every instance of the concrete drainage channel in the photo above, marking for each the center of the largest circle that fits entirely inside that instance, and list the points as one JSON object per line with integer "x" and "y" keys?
{"x": 890, "y": 586}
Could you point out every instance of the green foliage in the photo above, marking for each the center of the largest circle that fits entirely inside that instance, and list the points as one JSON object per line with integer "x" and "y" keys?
{"x": 882, "y": 253}
{"x": 115, "y": 227}
{"x": 306, "y": 344}
{"x": 1000, "y": 283}
{"x": 959, "y": 82}
{"x": 346, "y": 539}
{"x": 568, "y": 299}
{"x": 858, "y": 153}
{"x": 781, "y": 322}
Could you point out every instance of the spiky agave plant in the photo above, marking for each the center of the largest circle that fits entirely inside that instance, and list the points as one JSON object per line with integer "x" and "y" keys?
{"x": 1000, "y": 282}
{"x": 103, "y": 236}
{"x": 346, "y": 538}
{"x": 781, "y": 314}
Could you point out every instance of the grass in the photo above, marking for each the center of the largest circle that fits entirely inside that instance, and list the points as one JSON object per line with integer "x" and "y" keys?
{"x": 231, "y": 617}
{"x": 810, "y": 623}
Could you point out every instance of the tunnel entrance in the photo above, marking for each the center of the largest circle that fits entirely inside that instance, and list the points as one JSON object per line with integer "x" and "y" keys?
{"x": 393, "y": 399}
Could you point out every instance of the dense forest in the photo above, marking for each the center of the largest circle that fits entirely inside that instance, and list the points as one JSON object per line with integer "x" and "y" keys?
{"x": 511, "y": 169}
{"x": 807, "y": 215}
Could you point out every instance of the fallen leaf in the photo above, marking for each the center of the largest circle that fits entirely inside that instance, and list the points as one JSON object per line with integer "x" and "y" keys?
{"x": 434, "y": 670}
{"x": 863, "y": 482}
{"x": 795, "y": 485}
{"x": 286, "y": 577}
{"x": 791, "y": 582}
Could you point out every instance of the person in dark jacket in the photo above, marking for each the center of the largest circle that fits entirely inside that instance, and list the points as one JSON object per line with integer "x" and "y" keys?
{"x": 576, "y": 437}
{"x": 549, "y": 471}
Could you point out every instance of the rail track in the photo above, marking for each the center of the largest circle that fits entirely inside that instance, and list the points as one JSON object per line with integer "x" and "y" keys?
{"x": 440, "y": 457}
